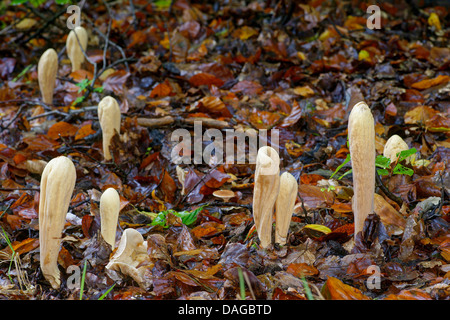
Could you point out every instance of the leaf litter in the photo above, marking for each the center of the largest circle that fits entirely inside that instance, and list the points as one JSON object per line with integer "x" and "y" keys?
{"x": 298, "y": 68}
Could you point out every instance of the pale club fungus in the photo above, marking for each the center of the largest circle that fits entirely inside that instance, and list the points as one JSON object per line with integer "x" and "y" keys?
{"x": 265, "y": 192}
{"x": 76, "y": 52}
{"x": 361, "y": 135}
{"x": 131, "y": 257}
{"x": 109, "y": 215}
{"x": 47, "y": 70}
{"x": 285, "y": 206}
{"x": 393, "y": 146}
{"x": 57, "y": 184}
{"x": 109, "y": 117}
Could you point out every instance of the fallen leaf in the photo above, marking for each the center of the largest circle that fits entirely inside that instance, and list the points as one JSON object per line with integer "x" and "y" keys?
{"x": 62, "y": 129}
{"x": 428, "y": 83}
{"x": 116, "y": 81}
{"x": 302, "y": 270}
{"x": 335, "y": 289}
{"x": 207, "y": 79}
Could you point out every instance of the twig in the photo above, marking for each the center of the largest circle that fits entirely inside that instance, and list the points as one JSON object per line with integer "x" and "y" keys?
{"x": 15, "y": 117}
{"x": 19, "y": 189}
{"x": 42, "y": 28}
{"x": 28, "y": 101}
{"x": 386, "y": 191}
{"x": 159, "y": 122}
{"x": 119, "y": 48}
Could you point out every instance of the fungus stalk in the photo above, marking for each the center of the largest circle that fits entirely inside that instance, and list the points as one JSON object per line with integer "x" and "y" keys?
{"x": 109, "y": 215}
{"x": 265, "y": 192}
{"x": 47, "y": 70}
{"x": 74, "y": 51}
{"x": 57, "y": 184}
{"x": 109, "y": 117}
{"x": 285, "y": 206}
{"x": 361, "y": 134}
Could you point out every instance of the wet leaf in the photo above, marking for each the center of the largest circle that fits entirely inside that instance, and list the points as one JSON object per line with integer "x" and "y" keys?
{"x": 335, "y": 289}
{"x": 62, "y": 129}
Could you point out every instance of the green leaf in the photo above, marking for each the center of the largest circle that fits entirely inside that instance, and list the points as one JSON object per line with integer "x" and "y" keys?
{"x": 83, "y": 85}
{"x": 83, "y": 277}
{"x": 382, "y": 162}
{"x": 187, "y": 217}
{"x": 405, "y": 154}
{"x": 348, "y": 172}
{"x": 162, "y": 4}
{"x": 106, "y": 292}
{"x": 99, "y": 89}
{"x": 79, "y": 100}
{"x": 37, "y": 3}
{"x": 16, "y": 2}
{"x": 241, "y": 284}
{"x": 23, "y": 72}
{"x": 383, "y": 172}
{"x": 400, "y": 169}
{"x": 347, "y": 159}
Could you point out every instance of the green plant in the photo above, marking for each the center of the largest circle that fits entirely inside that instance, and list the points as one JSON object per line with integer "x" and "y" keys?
{"x": 383, "y": 164}
{"x": 83, "y": 277}
{"x": 106, "y": 292}
{"x": 83, "y": 86}
{"x": 37, "y": 3}
{"x": 241, "y": 283}
{"x": 187, "y": 217}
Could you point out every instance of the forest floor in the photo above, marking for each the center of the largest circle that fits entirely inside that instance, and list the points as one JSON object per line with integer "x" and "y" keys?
{"x": 265, "y": 65}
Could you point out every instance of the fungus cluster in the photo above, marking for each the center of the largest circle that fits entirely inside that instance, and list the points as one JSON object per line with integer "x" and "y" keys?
{"x": 48, "y": 62}
{"x": 59, "y": 174}
{"x": 272, "y": 190}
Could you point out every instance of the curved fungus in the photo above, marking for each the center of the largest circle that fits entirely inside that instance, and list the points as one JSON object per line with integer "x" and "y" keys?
{"x": 131, "y": 257}
{"x": 109, "y": 117}
{"x": 57, "y": 184}
{"x": 265, "y": 192}
{"x": 47, "y": 70}
{"x": 109, "y": 215}
{"x": 361, "y": 135}
{"x": 74, "y": 51}
{"x": 285, "y": 206}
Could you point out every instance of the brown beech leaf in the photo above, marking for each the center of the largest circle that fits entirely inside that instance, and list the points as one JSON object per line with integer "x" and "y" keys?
{"x": 302, "y": 269}
{"x": 116, "y": 81}
{"x": 84, "y": 131}
{"x": 295, "y": 115}
{"x": 168, "y": 186}
{"x": 428, "y": 83}
{"x": 313, "y": 196}
{"x": 262, "y": 119}
{"x": 411, "y": 294}
{"x": 161, "y": 90}
{"x": 62, "y": 129}
{"x": 247, "y": 87}
{"x": 207, "y": 229}
{"x": 25, "y": 246}
{"x": 335, "y": 289}
{"x": 213, "y": 105}
{"x": 207, "y": 79}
